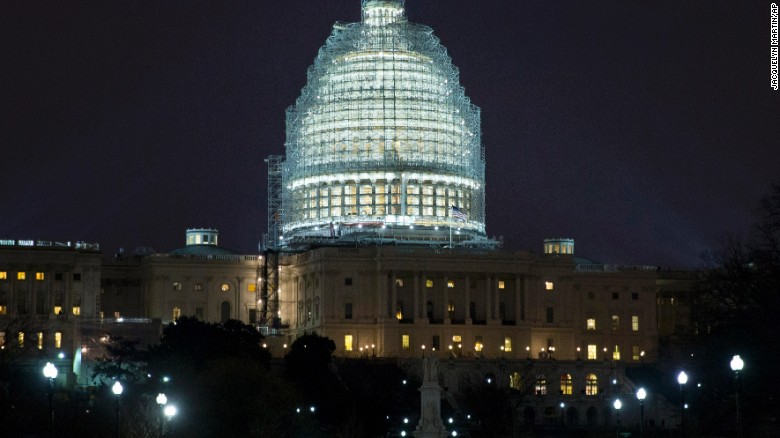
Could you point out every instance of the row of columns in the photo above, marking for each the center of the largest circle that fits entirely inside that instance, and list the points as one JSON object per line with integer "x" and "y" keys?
{"x": 492, "y": 299}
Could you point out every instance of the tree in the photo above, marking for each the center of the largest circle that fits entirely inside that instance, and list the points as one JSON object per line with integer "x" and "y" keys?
{"x": 735, "y": 312}
{"x": 218, "y": 376}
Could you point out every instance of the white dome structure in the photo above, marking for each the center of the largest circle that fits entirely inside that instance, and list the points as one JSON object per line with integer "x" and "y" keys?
{"x": 383, "y": 143}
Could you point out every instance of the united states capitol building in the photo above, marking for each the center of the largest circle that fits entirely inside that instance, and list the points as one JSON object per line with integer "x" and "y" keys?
{"x": 377, "y": 238}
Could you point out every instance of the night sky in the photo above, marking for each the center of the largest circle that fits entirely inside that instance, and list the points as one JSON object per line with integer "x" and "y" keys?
{"x": 646, "y": 131}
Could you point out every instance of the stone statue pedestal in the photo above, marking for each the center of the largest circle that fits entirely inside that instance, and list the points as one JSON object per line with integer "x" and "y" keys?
{"x": 430, "y": 425}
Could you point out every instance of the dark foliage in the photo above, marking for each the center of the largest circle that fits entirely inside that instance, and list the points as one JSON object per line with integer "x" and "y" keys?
{"x": 736, "y": 311}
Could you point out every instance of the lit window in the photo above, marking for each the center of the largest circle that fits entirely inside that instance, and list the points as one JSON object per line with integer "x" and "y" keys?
{"x": 635, "y": 323}
{"x": 478, "y": 344}
{"x": 548, "y": 285}
{"x": 399, "y": 282}
{"x": 592, "y": 352}
{"x": 501, "y": 284}
{"x": 566, "y": 384}
{"x": 40, "y": 340}
{"x": 399, "y": 310}
{"x": 21, "y": 275}
{"x": 405, "y": 342}
{"x": 516, "y": 381}
{"x": 117, "y": 315}
{"x": 251, "y": 287}
{"x": 347, "y": 342}
{"x": 2, "y": 340}
{"x": 635, "y": 355}
{"x": 225, "y": 287}
{"x": 3, "y": 275}
{"x": 58, "y": 310}
{"x": 616, "y": 353}
{"x": 3, "y": 310}
{"x": 176, "y": 313}
{"x": 77, "y": 310}
{"x": 591, "y": 324}
{"x": 176, "y": 286}
{"x": 58, "y": 340}
{"x": 450, "y": 307}
{"x": 198, "y": 286}
{"x": 456, "y": 339}
{"x": 615, "y": 323}
{"x": 507, "y": 344}
{"x": 450, "y": 284}
{"x": 40, "y": 276}
{"x": 540, "y": 388}
{"x": 428, "y": 283}
{"x": 591, "y": 385}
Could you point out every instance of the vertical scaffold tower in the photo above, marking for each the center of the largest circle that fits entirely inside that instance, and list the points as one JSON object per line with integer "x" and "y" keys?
{"x": 383, "y": 144}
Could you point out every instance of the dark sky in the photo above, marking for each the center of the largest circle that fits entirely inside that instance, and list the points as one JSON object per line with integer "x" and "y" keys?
{"x": 646, "y": 131}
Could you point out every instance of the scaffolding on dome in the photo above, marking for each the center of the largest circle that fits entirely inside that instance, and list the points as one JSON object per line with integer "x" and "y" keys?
{"x": 383, "y": 140}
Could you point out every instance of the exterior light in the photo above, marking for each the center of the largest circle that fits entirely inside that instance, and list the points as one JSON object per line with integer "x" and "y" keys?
{"x": 170, "y": 411}
{"x": 617, "y": 404}
{"x": 162, "y": 399}
{"x": 682, "y": 378}
{"x": 61, "y": 355}
{"x": 641, "y": 394}
{"x": 117, "y": 388}
{"x": 50, "y": 371}
{"x": 737, "y": 363}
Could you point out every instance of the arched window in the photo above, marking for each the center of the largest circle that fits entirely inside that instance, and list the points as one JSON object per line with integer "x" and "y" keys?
{"x": 591, "y": 384}
{"x": 541, "y": 385}
{"x": 224, "y": 311}
{"x": 566, "y": 384}
{"x": 592, "y": 416}
{"x": 516, "y": 381}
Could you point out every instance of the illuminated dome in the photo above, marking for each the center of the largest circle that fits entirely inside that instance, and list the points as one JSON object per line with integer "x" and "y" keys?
{"x": 383, "y": 143}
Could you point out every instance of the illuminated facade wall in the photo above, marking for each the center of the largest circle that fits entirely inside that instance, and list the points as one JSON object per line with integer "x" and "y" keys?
{"x": 383, "y": 137}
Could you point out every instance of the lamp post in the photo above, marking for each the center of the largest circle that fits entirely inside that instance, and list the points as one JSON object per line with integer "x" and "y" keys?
{"x": 50, "y": 372}
{"x": 640, "y": 395}
{"x": 563, "y": 405}
{"x": 117, "y": 390}
{"x": 162, "y": 400}
{"x": 682, "y": 379}
{"x": 736, "y": 365}
{"x": 169, "y": 411}
{"x": 618, "y": 404}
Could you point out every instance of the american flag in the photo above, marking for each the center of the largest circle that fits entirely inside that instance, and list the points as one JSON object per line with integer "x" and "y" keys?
{"x": 458, "y": 214}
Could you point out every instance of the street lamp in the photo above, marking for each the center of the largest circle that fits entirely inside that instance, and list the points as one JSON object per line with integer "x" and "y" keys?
{"x": 162, "y": 400}
{"x": 641, "y": 394}
{"x": 169, "y": 411}
{"x": 563, "y": 405}
{"x": 117, "y": 390}
{"x": 736, "y": 365}
{"x": 618, "y": 404}
{"x": 50, "y": 372}
{"x": 682, "y": 379}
